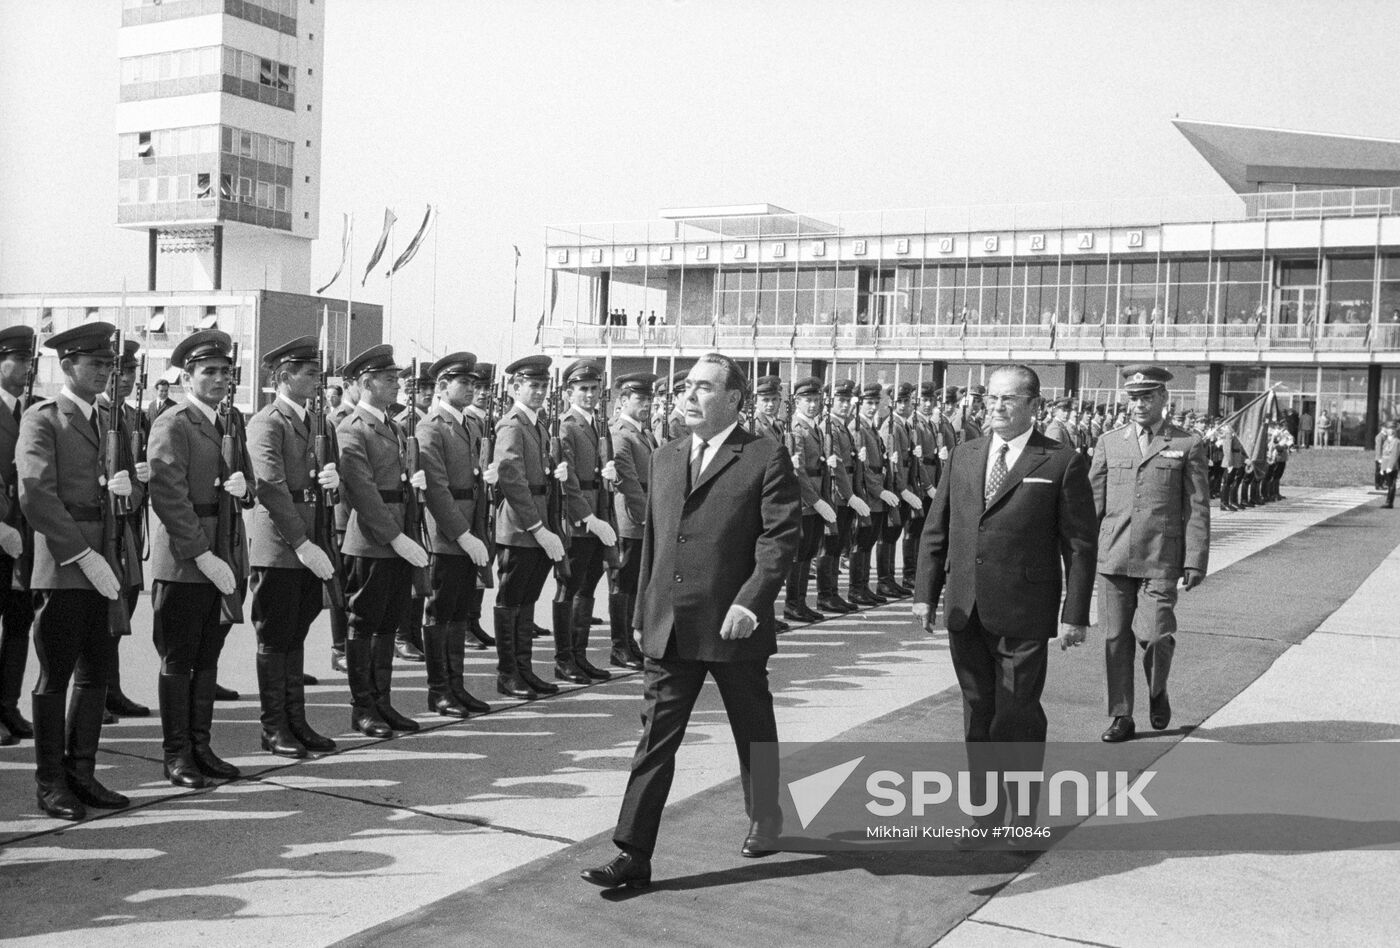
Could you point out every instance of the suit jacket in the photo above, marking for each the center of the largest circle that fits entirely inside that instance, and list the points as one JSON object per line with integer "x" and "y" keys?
{"x": 373, "y": 466}
{"x": 159, "y": 406}
{"x": 187, "y": 471}
{"x": 580, "y": 442}
{"x": 451, "y": 457}
{"x": 281, "y": 448}
{"x": 523, "y": 484}
{"x": 731, "y": 540}
{"x": 632, "y": 453}
{"x": 1007, "y": 558}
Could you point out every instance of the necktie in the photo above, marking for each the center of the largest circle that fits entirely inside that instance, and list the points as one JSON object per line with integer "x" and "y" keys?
{"x": 219, "y": 425}
{"x": 96, "y": 428}
{"x": 1144, "y": 439}
{"x": 998, "y": 473}
{"x": 17, "y": 411}
{"x": 697, "y": 462}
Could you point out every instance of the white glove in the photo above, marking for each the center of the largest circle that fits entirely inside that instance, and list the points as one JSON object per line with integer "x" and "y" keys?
{"x": 824, "y": 511}
{"x": 932, "y": 490}
{"x": 120, "y": 484}
{"x": 797, "y": 462}
{"x": 610, "y": 472}
{"x": 561, "y": 473}
{"x": 861, "y": 508}
{"x": 833, "y": 461}
{"x": 600, "y": 529}
{"x": 98, "y": 573}
{"x": 474, "y": 548}
{"x": 329, "y": 478}
{"x": 911, "y": 498}
{"x": 216, "y": 571}
{"x": 315, "y": 559}
{"x": 418, "y": 480}
{"x": 11, "y": 543}
{"x": 550, "y": 543}
{"x": 863, "y": 458}
{"x": 942, "y": 454}
{"x": 919, "y": 451}
{"x": 410, "y": 551}
{"x": 890, "y": 498}
{"x": 236, "y": 485}
{"x": 143, "y": 472}
{"x": 492, "y": 473}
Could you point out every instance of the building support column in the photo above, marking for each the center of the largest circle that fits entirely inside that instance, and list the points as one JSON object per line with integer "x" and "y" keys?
{"x": 1072, "y": 380}
{"x": 604, "y": 288}
{"x": 1373, "y": 406}
{"x": 219, "y": 257}
{"x": 938, "y": 374}
{"x": 1216, "y": 377}
{"x": 151, "y": 260}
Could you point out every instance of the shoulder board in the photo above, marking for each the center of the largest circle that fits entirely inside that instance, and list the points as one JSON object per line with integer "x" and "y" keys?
{"x": 42, "y": 403}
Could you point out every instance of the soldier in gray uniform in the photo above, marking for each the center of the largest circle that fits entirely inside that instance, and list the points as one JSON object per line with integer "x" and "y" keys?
{"x": 899, "y": 447}
{"x": 16, "y": 602}
{"x": 850, "y": 508}
{"x": 880, "y": 500}
{"x": 633, "y": 444}
{"x": 350, "y": 397}
{"x": 1060, "y": 429}
{"x": 288, "y": 570}
{"x": 808, "y": 459}
{"x": 476, "y": 418}
{"x": 768, "y": 398}
{"x": 927, "y": 458}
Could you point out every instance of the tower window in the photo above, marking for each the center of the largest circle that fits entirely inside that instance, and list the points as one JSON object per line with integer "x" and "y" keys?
{"x": 144, "y": 147}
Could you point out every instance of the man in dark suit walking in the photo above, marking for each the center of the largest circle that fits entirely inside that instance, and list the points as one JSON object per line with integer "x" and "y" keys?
{"x": 1012, "y": 519}
{"x": 722, "y": 527}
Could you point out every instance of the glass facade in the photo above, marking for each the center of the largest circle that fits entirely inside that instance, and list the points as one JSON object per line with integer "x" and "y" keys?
{"x": 280, "y": 15}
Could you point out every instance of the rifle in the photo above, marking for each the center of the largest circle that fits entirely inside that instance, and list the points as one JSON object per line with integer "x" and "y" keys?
{"x": 229, "y": 544}
{"x": 115, "y": 509}
{"x": 916, "y": 464}
{"x": 606, "y": 490}
{"x": 858, "y": 476}
{"x": 555, "y": 507}
{"x": 415, "y": 525}
{"x": 139, "y": 436}
{"x": 827, "y": 489}
{"x": 24, "y": 566}
{"x": 891, "y": 459}
{"x": 323, "y": 520}
{"x": 484, "y": 514}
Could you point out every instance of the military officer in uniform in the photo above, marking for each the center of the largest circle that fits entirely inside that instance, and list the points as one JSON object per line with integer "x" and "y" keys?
{"x": 350, "y": 397}
{"x": 188, "y": 579}
{"x": 850, "y": 507}
{"x": 450, "y": 454}
{"x": 768, "y": 398}
{"x": 898, "y": 443}
{"x": 1060, "y": 429}
{"x": 808, "y": 460}
{"x": 476, "y": 417}
{"x": 927, "y": 461}
{"x": 58, "y": 460}
{"x": 592, "y": 538}
{"x": 526, "y": 546}
{"x": 633, "y": 445}
{"x": 1151, "y": 488}
{"x": 670, "y": 425}
{"x": 288, "y": 569}
{"x": 408, "y": 638}
{"x": 379, "y": 557}
{"x": 16, "y": 603}
{"x": 871, "y": 450}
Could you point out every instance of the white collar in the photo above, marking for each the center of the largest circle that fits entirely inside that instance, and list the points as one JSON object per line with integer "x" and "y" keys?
{"x": 716, "y": 441}
{"x": 1017, "y": 444}
{"x": 300, "y": 410}
{"x": 525, "y": 410}
{"x": 585, "y": 415}
{"x": 375, "y": 413}
{"x": 474, "y": 412}
{"x": 87, "y": 408}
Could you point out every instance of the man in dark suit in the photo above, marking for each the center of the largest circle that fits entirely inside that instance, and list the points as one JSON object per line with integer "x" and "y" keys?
{"x": 160, "y": 404}
{"x": 722, "y": 527}
{"x": 16, "y": 603}
{"x": 1013, "y": 511}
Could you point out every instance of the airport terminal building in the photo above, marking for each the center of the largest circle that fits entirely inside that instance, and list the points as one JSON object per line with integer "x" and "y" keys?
{"x": 1292, "y": 283}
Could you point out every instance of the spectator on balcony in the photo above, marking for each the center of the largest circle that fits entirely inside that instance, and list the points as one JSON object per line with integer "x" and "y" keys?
{"x": 1324, "y": 429}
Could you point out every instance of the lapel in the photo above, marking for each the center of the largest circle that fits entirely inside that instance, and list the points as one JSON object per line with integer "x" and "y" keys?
{"x": 1031, "y": 458}
{"x": 202, "y": 425}
{"x": 293, "y": 422}
{"x": 1158, "y": 442}
{"x": 7, "y": 420}
{"x": 459, "y": 430}
{"x": 380, "y": 428}
{"x": 725, "y": 455}
{"x": 76, "y": 419}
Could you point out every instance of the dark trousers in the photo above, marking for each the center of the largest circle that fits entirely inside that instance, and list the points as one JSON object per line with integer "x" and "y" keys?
{"x": 410, "y": 624}
{"x": 340, "y": 619}
{"x": 285, "y": 601}
{"x": 913, "y": 531}
{"x": 888, "y": 540}
{"x": 863, "y": 537}
{"x": 454, "y": 587}
{"x": 1230, "y": 489}
{"x": 672, "y": 686}
{"x": 70, "y": 640}
{"x": 1001, "y": 680}
{"x": 586, "y": 565}
{"x": 523, "y": 572}
{"x": 1134, "y": 609}
{"x": 16, "y": 616}
{"x": 631, "y": 570}
{"x": 1217, "y": 478}
{"x": 1272, "y": 479}
{"x": 1388, "y": 480}
{"x": 833, "y": 544}
{"x": 187, "y": 632}
{"x": 810, "y": 543}
{"x": 376, "y": 593}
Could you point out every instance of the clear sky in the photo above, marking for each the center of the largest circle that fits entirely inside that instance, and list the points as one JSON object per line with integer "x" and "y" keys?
{"x": 516, "y": 114}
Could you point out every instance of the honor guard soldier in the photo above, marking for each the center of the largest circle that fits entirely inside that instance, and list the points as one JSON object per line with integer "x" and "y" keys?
{"x": 882, "y": 502}
{"x": 379, "y": 557}
{"x": 189, "y": 580}
{"x": 16, "y": 603}
{"x": 808, "y": 460}
{"x": 590, "y": 534}
{"x": 768, "y": 398}
{"x": 526, "y": 545}
{"x": 59, "y": 464}
{"x": 450, "y": 453}
{"x": 350, "y": 397}
{"x": 926, "y": 460}
{"x": 672, "y": 425}
{"x": 288, "y": 570}
{"x": 959, "y": 414}
{"x": 408, "y": 639}
{"x": 899, "y": 450}
{"x": 1152, "y": 491}
{"x": 480, "y": 417}
{"x": 850, "y": 508}
{"x": 633, "y": 445}
{"x": 1060, "y": 429}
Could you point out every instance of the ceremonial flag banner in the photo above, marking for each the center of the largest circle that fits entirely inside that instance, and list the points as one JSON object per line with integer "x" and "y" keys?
{"x": 415, "y": 243}
{"x": 379, "y": 247}
{"x": 1251, "y": 425}
{"x": 345, "y": 227}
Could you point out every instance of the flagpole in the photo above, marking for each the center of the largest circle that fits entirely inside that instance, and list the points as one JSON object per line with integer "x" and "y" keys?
{"x": 514, "y": 296}
{"x": 389, "y": 309}
{"x": 349, "y": 296}
{"x": 433, "y": 309}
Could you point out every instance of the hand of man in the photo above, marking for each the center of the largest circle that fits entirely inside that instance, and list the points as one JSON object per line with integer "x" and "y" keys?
{"x": 120, "y": 484}
{"x": 610, "y": 472}
{"x": 932, "y": 491}
{"x": 942, "y": 454}
{"x": 833, "y": 461}
{"x": 919, "y": 451}
{"x": 738, "y": 624}
{"x": 11, "y": 543}
{"x": 492, "y": 474}
{"x": 797, "y": 462}
{"x": 561, "y": 473}
{"x": 315, "y": 559}
{"x": 143, "y": 472}
{"x": 418, "y": 480}
{"x": 862, "y": 455}
{"x": 329, "y": 478}
{"x": 98, "y": 573}
{"x": 600, "y": 529}
{"x": 550, "y": 543}
{"x": 416, "y": 556}
{"x": 1192, "y": 578}
{"x": 215, "y": 570}
{"x": 236, "y": 485}
{"x": 861, "y": 508}
{"x": 824, "y": 511}
{"x": 890, "y": 498}
{"x": 1072, "y": 635}
{"x": 911, "y": 498}
{"x": 474, "y": 548}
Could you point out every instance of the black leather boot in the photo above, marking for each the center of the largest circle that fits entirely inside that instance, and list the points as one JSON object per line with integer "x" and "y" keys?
{"x": 84, "y": 729}
{"x": 440, "y": 697}
{"x": 479, "y": 639}
{"x": 508, "y": 680}
{"x": 620, "y": 628}
{"x": 277, "y": 736}
{"x": 583, "y": 624}
{"x": 364, "y": 712}
{"x": 52, "y": 792}
{"x": 523, "y": 649}
{"x": 455, "y": 642}
{"x": 565, "y": 667}
{"x": 382, "y": 662}
{"x": 14, "y": 652}
{"x": 118, "y": 703}
{"x": 296, "y": 706}
{"x": 859, "y": 588}
{"x": 173, "y": 692}
{"x": 210, "y": 764}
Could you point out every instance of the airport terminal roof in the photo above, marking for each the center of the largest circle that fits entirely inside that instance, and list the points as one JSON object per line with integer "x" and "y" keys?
{"x": 1247, "y": 156}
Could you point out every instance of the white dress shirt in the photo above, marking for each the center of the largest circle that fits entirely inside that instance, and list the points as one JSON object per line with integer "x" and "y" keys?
{"x": 711, "y": 446}
{"x": 1014, "y": 448}
{"x": 298, "y": 410}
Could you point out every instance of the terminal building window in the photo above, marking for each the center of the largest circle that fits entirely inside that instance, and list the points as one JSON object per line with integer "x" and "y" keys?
{"x": 1350, "y": 294}
{"x": 256, "y": 77}
{"x": 279, "y": 15}
{"x": 170, "y": 73}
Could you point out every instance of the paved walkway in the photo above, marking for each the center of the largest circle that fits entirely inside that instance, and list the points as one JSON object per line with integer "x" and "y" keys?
{"x": 473, "y": 832}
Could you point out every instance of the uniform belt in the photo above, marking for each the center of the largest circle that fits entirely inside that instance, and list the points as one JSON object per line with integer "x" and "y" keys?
{"x": 391, "y": 496}
{"x": 304, "y": 496}
{"x": 464, "y": 493}
{"x": 930, "y": 462}
{"x": 540, "y": 490}
{"x": 206, "y": 510}
{"x": 587, "y": 485}
{"x": 812, "y": 471}
{"x": 850, "y": 468}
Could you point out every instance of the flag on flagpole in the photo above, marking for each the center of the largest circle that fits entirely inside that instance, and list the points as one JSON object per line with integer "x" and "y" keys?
{"x": 347, "y": 224}
{"x": 415, "y": 243}
{"x": 379, "y": 247}
{"x": 1251, "y": 425}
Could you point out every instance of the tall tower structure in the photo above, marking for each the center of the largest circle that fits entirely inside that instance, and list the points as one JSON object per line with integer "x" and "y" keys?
{"x": 218, "y": 140}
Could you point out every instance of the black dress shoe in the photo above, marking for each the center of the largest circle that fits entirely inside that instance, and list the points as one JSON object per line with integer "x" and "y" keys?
{"x": 625, "y": 871}
{"x": 862, "y": 597}
{"x": 93, "y": 794}
{"x": 624, "y": 660}
{"x": 594, "y": 620}
{"x": 1122, "y": 729}
{"x": 338, "y": 661}
{"x": 109, "y": 718}
{"x": 16, "y": 724}
{"x": 309, "y": 680}
{"x": 396, "y": 720}
{"x": 762, "y": 839}
{"x": 801, "y": 612}
{"x": 370, "y": 724}
{"x": 407, "y": 651}
{"x": 890, "y": 589}
{"x": 60, "y": 803}
{"x": 483, "y": 638}
{"x": 123, "y": 707}
{"x": 512, "y": 686}
{"x": 779, "y": 627}
{"x": 224, "y": 694}
{"x": 568, "y": 671}
{"x": 1160, "y": 711}
{"x": 835, "y": 604}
